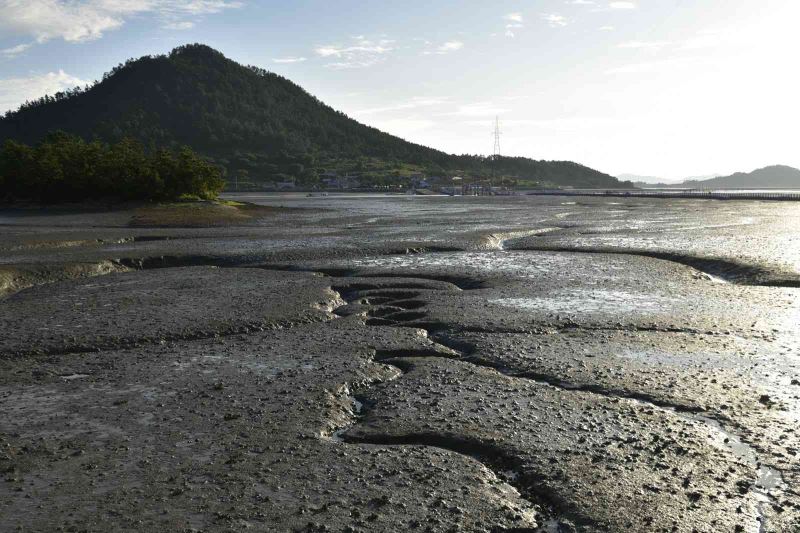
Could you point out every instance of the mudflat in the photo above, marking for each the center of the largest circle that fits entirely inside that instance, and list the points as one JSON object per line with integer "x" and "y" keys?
{"x": 368, "y": 363}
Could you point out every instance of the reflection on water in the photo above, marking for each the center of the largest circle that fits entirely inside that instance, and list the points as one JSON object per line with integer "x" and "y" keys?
{"x": 605, "y": 301}
{"x": 520, "y": 264}
{"x": 750, "y": 231}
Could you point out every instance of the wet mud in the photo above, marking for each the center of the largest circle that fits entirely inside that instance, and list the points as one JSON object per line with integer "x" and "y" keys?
{"x": 395, "y": 364}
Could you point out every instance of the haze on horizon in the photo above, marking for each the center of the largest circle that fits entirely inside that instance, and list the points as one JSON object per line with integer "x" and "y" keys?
{"x": 667, "y": 88}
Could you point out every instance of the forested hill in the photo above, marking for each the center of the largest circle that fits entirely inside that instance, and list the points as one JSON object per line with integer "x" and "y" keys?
{"x": 253, "y": 122}
{"x": 774, "y": 176}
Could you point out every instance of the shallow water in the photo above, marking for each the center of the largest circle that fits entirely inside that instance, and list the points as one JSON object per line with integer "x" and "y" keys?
{"x": 755, "y": 231}
{"x": 520, "y": 264}
{"x": 606, "y": 301}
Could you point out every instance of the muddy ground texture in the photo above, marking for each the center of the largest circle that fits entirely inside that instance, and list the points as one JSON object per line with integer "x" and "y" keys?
{"x": 403, "y": 364}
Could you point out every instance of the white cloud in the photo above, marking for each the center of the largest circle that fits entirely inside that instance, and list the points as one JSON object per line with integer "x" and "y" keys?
{"x": 15, "y": 91}
{"x": 701, "y": 40}
{"x": 450, "y": 46}
{"x": 289, "y": 60}
{"x": 363, "y": 47}
{"x": 186, "y": 25}
{"x": 195, "y": 7}
{"x": 514, "y": 22}
{"x": 607, "y": 28}
{"x": 555, "y": 20}
{"x": 622, "y": 5}
{"x": 14, "y": 51}
{"x": 414, "y": 103}
{"x": 644, "y": 45}
{"x": 581, "y": 2}
{"x": 86, "y": 20}
{"x": 339, "y": 51}
{"x": 360, "y": 54}
{"x": 478, "y": 109}
{"x": 404, "y": 128}
{"x": 344, "y": 65}
{"x": 708, "y": 39}
{"x": 445, "y": 48}
{"x": 671, "y": 66}
{"x": 49, "y": 19}
{"x": 551, "y": 125}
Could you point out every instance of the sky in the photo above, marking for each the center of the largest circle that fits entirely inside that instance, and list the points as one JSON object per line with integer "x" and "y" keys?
{"x": 663, "y": 88}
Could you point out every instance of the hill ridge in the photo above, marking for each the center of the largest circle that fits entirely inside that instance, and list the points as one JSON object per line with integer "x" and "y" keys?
{"x": 257, "y": 124}
{"x": 771, "y": 176}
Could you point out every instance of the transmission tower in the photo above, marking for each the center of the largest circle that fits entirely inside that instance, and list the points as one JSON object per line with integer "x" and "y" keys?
{"x": 496, "y": 151}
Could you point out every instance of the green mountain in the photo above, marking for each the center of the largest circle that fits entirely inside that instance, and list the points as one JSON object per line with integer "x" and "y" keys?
{"x": 256, "y": 124}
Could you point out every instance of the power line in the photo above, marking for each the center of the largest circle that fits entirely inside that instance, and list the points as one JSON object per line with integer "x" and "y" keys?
{"x": 496, "y": 133}
{"x": 496, "y": 150}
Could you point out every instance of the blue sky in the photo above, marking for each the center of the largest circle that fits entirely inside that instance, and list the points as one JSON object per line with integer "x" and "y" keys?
{"x": 669, "y": 88}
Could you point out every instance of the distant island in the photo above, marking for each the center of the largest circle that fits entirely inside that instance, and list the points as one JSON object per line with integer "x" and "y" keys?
{"x": 263, "y": 130}
{"x": 773, "y": 177}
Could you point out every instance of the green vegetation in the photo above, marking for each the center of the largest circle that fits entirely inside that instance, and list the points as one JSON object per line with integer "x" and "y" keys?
{"x": 65, "y": 168}
{"x": 257, "y": 125}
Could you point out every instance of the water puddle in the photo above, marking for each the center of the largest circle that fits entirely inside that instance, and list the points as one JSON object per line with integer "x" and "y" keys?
{"x": 550, "y": 526}
{"x": 525, "y": 264}
{"x": 70, "y": 377}
{"x": 497, "y": 241}
{"x": 608, "y": 301}
{"x": 687, "y": 357}
{"x": 768, "y": 481}
{"x": 509, "y": 475}
{"x": 715, "y": 279}
{"x": 356, "y": 409}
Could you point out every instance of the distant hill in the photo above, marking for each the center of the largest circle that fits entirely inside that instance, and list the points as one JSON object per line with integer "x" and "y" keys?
{"x": 777, "y": 176}
{"x": 254, "y": 123}
{"x": 637, "y": 178}
{"x": 653, "y": 181}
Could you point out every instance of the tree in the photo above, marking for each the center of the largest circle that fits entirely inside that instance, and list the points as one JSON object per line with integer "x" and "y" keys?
{"x": 66, "y": 168}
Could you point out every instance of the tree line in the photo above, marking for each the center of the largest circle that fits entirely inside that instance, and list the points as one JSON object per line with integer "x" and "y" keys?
{"x": 66, "y": 168}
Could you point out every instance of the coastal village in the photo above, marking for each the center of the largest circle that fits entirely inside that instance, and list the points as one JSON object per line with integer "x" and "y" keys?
{"x": 416, "y": 183}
